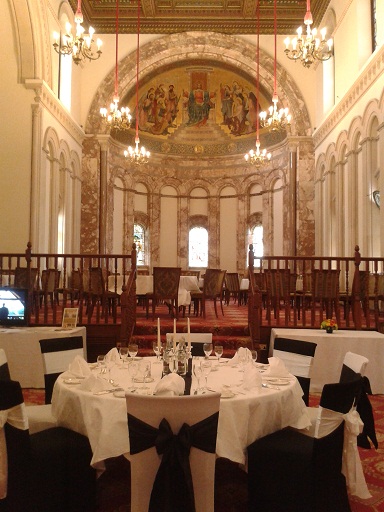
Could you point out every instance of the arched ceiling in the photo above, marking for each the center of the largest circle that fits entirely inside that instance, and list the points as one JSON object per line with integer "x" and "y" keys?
{"x": 172, "y": 16}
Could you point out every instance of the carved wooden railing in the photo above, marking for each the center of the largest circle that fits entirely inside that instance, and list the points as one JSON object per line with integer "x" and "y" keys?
{"x": 118, "y": 276}
{"x": 284, "y": 291}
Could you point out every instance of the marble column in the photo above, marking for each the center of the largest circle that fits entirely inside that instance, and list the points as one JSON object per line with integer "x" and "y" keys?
{"x": 380, "y": 164}
{"x": 34, "y": 236}
{"x": 292, "y": 187}
{"x": 103, "y": 141}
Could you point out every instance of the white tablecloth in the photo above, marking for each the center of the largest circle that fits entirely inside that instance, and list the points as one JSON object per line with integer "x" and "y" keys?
{"x": 331, "y": 349}
{"x": 242, "y": 419}
{"x": 22, "y": 348}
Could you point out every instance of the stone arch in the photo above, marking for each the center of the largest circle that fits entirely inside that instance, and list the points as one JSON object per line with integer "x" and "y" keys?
{"x": 215, "y": 47}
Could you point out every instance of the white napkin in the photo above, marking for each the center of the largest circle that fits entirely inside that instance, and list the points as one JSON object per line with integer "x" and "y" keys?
{"x": 276, "y": 368}
{"x": 79, "y": 367}
{"x": 252, "y": 377}
{"x": 112, "y": 356}
{"x": 171, "y": 384}
{"x": 94, "y": 383}
{"x": 235, "y": 358}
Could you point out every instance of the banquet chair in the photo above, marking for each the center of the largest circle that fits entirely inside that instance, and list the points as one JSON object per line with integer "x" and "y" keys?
{"x": 197, "y": 340}
{"x": 156, "y": 475}
{"x": 96, "y": 293}
{"x": 291, "y": 470}
{"x": 277, "y": 283}
{"x": 57, "y": 353}
{"x": 74, "y": 289}
{"x": 4, "y": 368}
{"x": 50, "y": 281}
{"x": 165, "y": 288}
{"x": 353, "y": 366}
{"x": 45, "y": 472}
{"x": 298, "y": 358}
{"x": 213, "y": 288}
{"x": 232, "y": 287}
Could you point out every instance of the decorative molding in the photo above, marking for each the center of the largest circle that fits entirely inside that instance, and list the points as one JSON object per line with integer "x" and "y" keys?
{"x": 367, "y": 78}
{"x": 46, "y": 98}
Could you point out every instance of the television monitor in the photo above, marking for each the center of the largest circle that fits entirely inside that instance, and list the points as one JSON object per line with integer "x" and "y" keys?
{"x": 13, "y": 307}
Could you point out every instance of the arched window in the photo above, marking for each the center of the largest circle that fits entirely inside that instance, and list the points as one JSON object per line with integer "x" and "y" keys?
{"x": 198, "y": 247}
{"x": 141, "y": 246}
{"x": 255, "y": 237}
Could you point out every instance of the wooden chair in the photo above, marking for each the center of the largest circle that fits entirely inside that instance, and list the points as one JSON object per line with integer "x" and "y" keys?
{"x": 232, "y": 287}
{"x": 325, "y": 292}
{"x": 277, "y": 282}
{"x": 96, "y": 293}
{"x": 165, "y": 288}
{"x": 74, "y": 290}
{"x": 213, "y": 288}
{"x": 50, "y": 281}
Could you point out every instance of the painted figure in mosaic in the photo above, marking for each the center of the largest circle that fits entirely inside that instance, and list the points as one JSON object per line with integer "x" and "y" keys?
{"x": 199, "y": 105}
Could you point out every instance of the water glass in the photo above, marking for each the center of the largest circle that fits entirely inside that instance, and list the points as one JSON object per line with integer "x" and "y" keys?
{"x": 197, "y": 372}
{"x": 101, "y": 364}
{"x": 123, "y": 355}
{"x": 133, "y": 368}
{"x": 206, "y": 367}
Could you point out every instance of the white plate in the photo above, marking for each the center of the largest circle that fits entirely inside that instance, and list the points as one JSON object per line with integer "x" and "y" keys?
{"x": 119, "y": 394}
{"x": 72, "y": 381}
{"x": 278, "y": 382}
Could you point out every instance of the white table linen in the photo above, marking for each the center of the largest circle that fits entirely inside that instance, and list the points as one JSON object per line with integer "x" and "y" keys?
{"x": 330, "y": 352}
{"x": 244, "y": 418}
{"x": 22, "y": 348}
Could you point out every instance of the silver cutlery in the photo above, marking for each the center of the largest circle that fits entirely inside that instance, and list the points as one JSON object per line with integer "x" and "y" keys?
{"x": 264, "y": 385}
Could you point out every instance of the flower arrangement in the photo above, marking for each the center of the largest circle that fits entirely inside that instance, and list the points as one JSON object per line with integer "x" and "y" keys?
{"x": 329, "y": 323}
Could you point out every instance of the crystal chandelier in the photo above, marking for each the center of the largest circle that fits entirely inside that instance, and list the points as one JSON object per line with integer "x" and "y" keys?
{"x": 80, "y": 45}
{"x": 136, "y": 154}
{"x": 257, "y": 157}
{"x": 276, "y": 119}
{"x": 309, "y": 48}
{"x": 116, "y": 119}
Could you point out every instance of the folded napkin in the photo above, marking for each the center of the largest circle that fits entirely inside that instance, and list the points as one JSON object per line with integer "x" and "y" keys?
{"x": 112, "y": 356}
{"x": 79, "y": 367}
{"x": 171, "y": 384}
{"x": 276, "y": 368}
{"x": 94, "y": 383}
{"x": 235, "y": 359}
{"x": 252, "y": 377}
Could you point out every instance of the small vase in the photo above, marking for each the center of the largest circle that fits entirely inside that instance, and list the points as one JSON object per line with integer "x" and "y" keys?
{"x": 329, "y": 330}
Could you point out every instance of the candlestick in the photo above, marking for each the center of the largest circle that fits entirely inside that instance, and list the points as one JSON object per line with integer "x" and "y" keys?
{"x": 189, "y": 335}
{"x": 158, "y": 333}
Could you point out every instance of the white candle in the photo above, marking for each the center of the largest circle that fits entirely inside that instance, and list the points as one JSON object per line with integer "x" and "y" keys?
{"x": 189, "y": 335}
{"x": 158, "y": 333}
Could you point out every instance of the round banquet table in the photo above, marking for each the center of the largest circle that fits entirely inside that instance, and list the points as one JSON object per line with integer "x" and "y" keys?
{"x": 243, "y": 418}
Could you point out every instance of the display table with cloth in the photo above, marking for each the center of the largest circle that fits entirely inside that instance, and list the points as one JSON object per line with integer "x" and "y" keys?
{"x": 244, "y": 416}
{"x": 22, "y": 349}
{"x": 331, "y": 349}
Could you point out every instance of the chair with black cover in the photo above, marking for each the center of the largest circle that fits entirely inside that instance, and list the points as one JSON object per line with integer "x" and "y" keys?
{"x": 45, "y": 472}
{"x": 57, "y": 354}
{"x": 213, "y": 288}
{"x": 298, "y": 358}
{"x": 4, "y": 368}
{"x": 291, "y": 471}
{"x": 165, "y": 289}
{"x": 353, "y": 366}
{"x": 181, "y": 469}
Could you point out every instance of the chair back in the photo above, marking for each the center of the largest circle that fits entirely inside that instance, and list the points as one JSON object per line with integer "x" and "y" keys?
{"x": 177, "y": 411}
{"x": 214, "y": 282}
{"x": 57, "y": 354}
{"x": 232, "y": 282}
{"x": 277, "y": 282}
{"x": 325, "y": 284}
{"x": 298, "y": 357}
{"x": 353, "y": 366}
{"x": 4, "y": 368}
{"x": 21, "y": 278}
{"x": 166, "y": 282}
{"x": 50, "y": 280}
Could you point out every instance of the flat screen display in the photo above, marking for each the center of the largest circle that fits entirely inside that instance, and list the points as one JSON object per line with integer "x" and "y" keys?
{"x": 13, "y": 307}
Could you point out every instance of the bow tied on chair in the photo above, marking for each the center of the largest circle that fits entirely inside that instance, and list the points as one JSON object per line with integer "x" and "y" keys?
{"x": 173, "y": 487}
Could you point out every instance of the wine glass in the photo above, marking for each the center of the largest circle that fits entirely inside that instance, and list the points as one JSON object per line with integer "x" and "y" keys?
{"x": 123, "y": 355}
{"x": 218, "y": 353}
{"x": 158, "y": 349}
{"x": 206, "y": 367}
{"x": 207, "y": 347}
{"x": 254, "y": 356}
{"x": 145, "y": 369}
{"x": 133, "y": 349}
{"x": 101, "y": 364}
{"x": 197, "y": 372}
{"x": 133, "y": 368}
{"x": 242, "y": 358}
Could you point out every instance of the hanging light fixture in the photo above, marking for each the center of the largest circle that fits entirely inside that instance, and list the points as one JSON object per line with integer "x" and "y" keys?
{"x": 308, "y": 48}
{"x": 135, "y": 154}
{"x": 257, "y": 157}
{"x": 79, "y": 45}
{"x": 275, "y": 120}
{"x": 116, "y": 119}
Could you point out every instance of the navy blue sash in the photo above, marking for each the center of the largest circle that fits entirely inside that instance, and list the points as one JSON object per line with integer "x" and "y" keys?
{"x": 173, "y": 487}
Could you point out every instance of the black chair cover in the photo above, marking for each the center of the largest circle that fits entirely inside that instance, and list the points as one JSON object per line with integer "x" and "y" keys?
{"x": 173, "y": 487}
